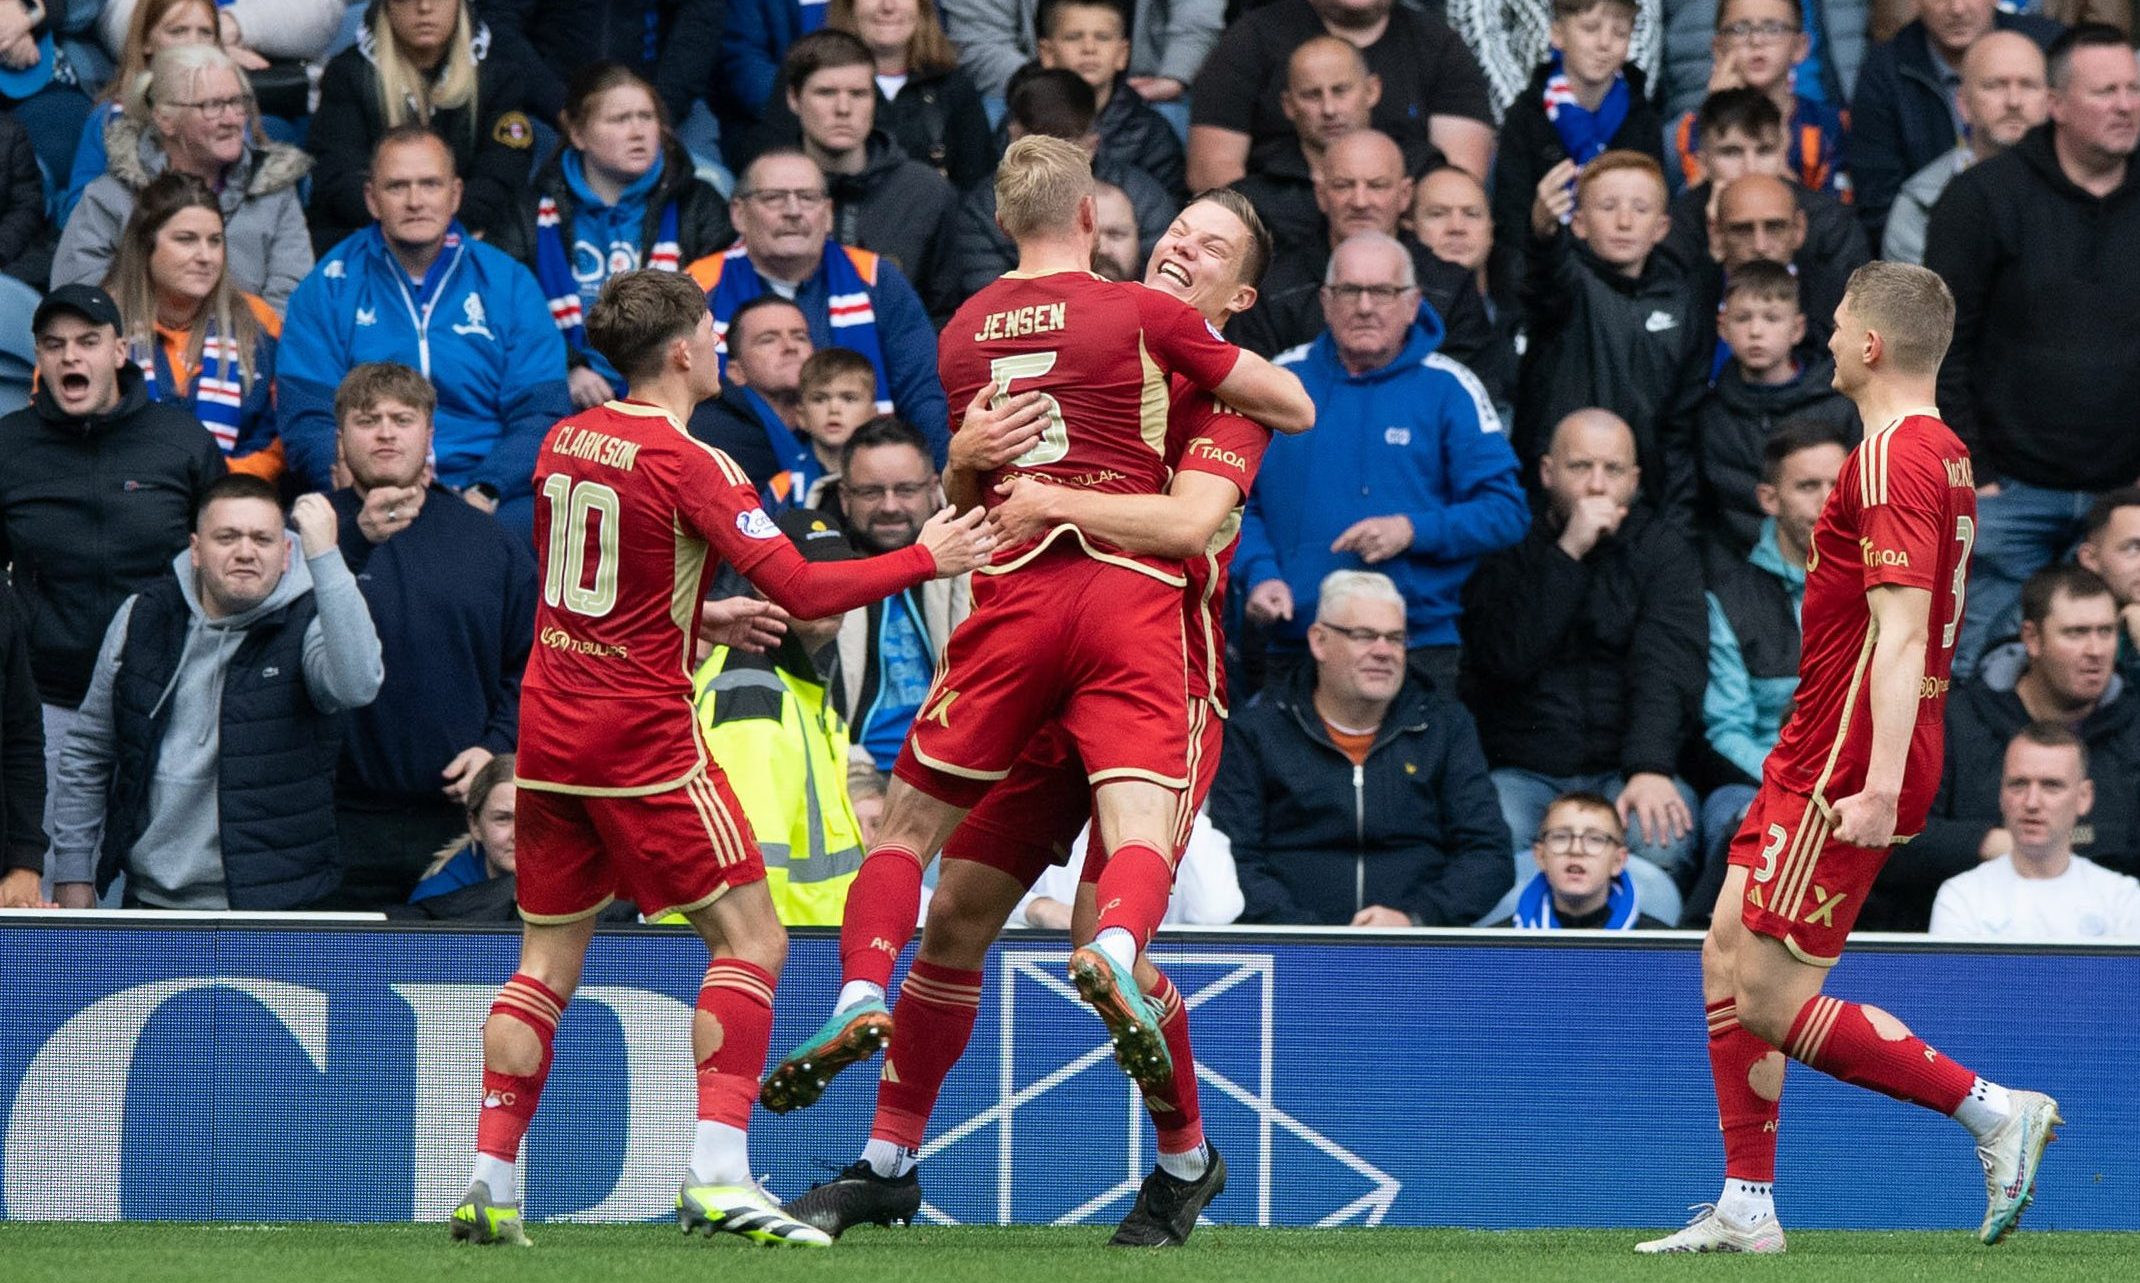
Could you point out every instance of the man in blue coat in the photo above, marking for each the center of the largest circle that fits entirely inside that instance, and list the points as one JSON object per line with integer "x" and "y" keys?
{"x": 414, "y": 288}
{"x": 1409, "y": 472}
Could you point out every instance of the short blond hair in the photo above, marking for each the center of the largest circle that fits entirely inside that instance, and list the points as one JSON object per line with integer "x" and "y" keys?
{"x": 1039, "y": 185}
{"x": 1910, "y": 308}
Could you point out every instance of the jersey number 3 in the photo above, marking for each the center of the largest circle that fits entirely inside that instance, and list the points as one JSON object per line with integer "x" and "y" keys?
{"x": 1965, "y": 533}
{"x": 1054, "y": 441}
{"x": 572, "y": 506}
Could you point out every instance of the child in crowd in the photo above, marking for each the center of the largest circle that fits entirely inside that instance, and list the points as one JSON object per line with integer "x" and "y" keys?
{"x": 838, "y": 388}
{"x": 1582, "y": 881}
{"x": 1091, "y": 38}
{"x": 1758, "y": 46}
{"x": 1768, "y": 380}
{"x": 1611, "y": 327}
{"x": 1583, "y": 101}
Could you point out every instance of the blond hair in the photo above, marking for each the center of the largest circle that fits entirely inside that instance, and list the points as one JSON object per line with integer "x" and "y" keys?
{"x": 134, "y": 53}
{"x": 406, "y": 94}
{"x": 1910, "y": 309}
{"x": 1040, "y": 184}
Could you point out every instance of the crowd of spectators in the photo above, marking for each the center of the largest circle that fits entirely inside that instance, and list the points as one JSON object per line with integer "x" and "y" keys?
{"x": 294, "y": 288}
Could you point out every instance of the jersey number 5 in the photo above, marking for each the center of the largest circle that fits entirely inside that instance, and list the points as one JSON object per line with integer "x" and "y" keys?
{"x": 1965, "y": 533}
{"x": 1054, "y": 441}
{"x": 572, "y": 506}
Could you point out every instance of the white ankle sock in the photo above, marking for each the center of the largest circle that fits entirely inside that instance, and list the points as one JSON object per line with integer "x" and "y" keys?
{"x": 501, "y": 1176}
{"x": 720, "y": 1155}
{"x": 855, "y": 991}
{"x": 1984, "y": 1109}
{"x": 1747, "y": 1202}
{"x": 1188, "y": 1165}
{"x": 886, "y": 1159}
{"x": 1119, "y": 944}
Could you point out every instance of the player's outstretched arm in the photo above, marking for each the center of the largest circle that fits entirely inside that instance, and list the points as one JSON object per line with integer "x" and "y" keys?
{"x": 1177, "y": 524}
{"x": 1271, "y": 396}
{"x": 958, "y": 543}
{"x": 1901, "y": 619}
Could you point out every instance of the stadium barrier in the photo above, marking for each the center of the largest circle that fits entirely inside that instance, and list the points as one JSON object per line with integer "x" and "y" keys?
{"x": 220, "y": 1068}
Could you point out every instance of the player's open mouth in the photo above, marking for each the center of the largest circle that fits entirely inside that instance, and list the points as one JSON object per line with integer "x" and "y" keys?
{"x": 1175, "y": 272}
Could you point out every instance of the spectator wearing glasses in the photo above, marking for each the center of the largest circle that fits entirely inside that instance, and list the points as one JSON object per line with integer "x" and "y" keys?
{"x": 191, "y": 113}
{"x": 1582, "y": 881}
{"x": 1353, "y": 795}
{"x": 1758, "y": 45}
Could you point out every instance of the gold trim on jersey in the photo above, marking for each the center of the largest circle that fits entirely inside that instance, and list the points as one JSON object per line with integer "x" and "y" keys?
{"x": 565, "y": 919}
{"x": 1048, "y": 540}
{"x": 1810, "y": 959}
{"x": 1153, "y": 400}
{"x": 963, "y": 772}
{"x": 698, "y": 769}
{"x": 690, "y": 563}
{"x": 1111, "y": 774}
{"x": 1842, "y": 730}
{"x": 686, "y": 910}
{"x": 1795, "y": 872}
{"x": 642, "y": 410}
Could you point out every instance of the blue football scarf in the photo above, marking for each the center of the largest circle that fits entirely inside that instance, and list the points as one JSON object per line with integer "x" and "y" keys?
{"x": 1534, "y": 908}
{"x": 1586, "y": 134}
{"x": 553, "y": 261}
{"x": 217, "y": 397}
{"x": 851, "y": 315}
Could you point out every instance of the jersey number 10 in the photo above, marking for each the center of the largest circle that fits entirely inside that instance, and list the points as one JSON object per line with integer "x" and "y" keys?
{"x": 572, "y": 505}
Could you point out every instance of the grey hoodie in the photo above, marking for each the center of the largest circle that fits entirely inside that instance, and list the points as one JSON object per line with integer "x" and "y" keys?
{"x": 185, "y": 865}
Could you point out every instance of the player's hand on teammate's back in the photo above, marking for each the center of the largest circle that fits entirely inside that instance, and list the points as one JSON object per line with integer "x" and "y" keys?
{"x": 1594, "y": 517}
{"x": 1269, "y": 602}
{"x": 1866, "y": 819}
{"x": 992, "y": 435}
{"x": 744, "y": 623}
{"x": 1653, "y": 802}
{"x": 958, "y": 543}
{"x": 1025, "y": 513}
{"x": 317, "y": 526}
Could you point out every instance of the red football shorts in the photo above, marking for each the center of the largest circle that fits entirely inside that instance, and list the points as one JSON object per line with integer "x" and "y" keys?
{"x": 1028, "y": 822}
{"x": 1806, "y": 888}
{"x": 1093, "y": 647}
{"x": 672, "y": 851}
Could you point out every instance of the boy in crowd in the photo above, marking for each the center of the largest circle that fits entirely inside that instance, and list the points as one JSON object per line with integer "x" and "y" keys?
{"x": 1583, "y": 101}
{"x": 1758, "y": 45}
{"x": 839, "y": 394}
{"x": 1582, "y": 881}
{"x": 1611, "y": 328}
{"x": 1768, "y": 377}
{"x": 1091, "y": 38}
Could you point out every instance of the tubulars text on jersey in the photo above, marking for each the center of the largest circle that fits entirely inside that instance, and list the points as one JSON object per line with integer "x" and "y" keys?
{"x": 1034, "y": 318}
{"x": 598, "y": 447}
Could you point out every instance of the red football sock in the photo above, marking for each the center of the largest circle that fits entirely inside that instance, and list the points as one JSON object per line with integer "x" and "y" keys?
{"x": 1134, "y": 890}
{"x": 883, "y": 904}
{"x": 1867, "y": 1047}
{"x": 1749, "y": 1094}
{"x": 509, "y": 1100}
{"x": 738, "y": 995}
{"x": 1176, "y": 1115}
{"x": 930, "y": 1027}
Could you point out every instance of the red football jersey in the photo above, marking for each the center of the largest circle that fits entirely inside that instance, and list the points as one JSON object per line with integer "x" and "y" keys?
{"x": 628, "y": 507}
{"x": 1206, "y": 435}
{"x": 1102, "y": 353}
{"x": 1903, "y": 512}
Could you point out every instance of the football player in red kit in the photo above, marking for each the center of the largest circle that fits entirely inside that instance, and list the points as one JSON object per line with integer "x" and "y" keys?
{"x": 617, "y": 793}
{"x": 1854, "y": 772}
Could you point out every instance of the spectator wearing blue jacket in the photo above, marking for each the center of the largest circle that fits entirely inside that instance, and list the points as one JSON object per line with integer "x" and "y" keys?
{"x": 414, "y": 288}
{"x": 1408, "y": 471}
{"x": 753, "y": 43}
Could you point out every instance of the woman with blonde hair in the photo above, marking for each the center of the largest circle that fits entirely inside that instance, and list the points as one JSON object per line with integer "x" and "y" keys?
{"x": 481, "y": 855}
{"x": 198, "y": 338}
{"x": 192, "y": 113}
{"x": 430, "y": 63}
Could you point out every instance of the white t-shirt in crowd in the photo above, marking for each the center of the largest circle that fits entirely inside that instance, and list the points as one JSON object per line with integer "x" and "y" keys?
{"x": 890, "y": 86}
{"x": 1207, "y": 891}
{"x": 1994, "y": 902}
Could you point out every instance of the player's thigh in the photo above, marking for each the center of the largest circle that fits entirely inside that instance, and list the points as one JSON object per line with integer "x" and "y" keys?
{"x": 1773, "y": 985}
{"x": 1125, "y": 702}
{"x": 917, "y": 816}
{"x": 1137, "y": 810}
{"x": 1000, "y": 681}
{"x": 682, "y": 849}
{"x": 1030, "y": 819}
{"x": 562, "y": 868}
{"x": 967, "y": 913}
{"x": 553, "y": 954}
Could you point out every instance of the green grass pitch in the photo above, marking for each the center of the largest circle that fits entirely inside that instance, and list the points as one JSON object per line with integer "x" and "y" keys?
{"x": 171, "y": 1253}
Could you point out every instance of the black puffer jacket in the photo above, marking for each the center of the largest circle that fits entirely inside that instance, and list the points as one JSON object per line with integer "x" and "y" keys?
{"x": 1131, "y": 132}
{"x": 939, "y": 120}
{"x": 1730, "y": 433}
{"x": 904, "y": 210}
{"x": 492, "y": 138}
{"x": 1581, "y": 667}
{"x": 1316, "y": 839}
{"x": 25, "y": 236}
{"x": 90, "y": 512}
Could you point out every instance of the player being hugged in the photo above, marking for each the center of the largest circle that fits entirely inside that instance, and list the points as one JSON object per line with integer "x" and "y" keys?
{"x": 1066, "y": 627}
{"x": 1853, "y": 773}
{"x": 618, "y": 795}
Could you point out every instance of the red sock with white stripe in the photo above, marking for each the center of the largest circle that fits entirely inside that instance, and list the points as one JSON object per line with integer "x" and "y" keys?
{"x": 1749, "y": 1101}
{"x": 1177, "y": 1115}
{"x": 509, "y": 1100}
{"x": 1133, "y": 893}
{"x": 733, "y": 1030}
{"x": 1867, "y": 1047}
{"x": 883, "y": 904}
{"x": 930, "y": 1029}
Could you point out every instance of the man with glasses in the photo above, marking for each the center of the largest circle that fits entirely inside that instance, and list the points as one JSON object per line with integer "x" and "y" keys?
{"x": 1585, "y": 655}
{"x": 852, "y": 298}
{"x": 1758, "y": 45}
{"x": 1410, "y": 473}
{"x": 1582, "y": 882}
{"x": 1354, "y": 795}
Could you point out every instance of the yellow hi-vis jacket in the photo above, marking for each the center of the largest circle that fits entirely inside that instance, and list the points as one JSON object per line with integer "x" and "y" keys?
{"x": 784, "y": 751}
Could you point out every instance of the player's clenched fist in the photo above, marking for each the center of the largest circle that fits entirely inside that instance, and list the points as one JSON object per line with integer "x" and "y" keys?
{"x": 959, "y": 544}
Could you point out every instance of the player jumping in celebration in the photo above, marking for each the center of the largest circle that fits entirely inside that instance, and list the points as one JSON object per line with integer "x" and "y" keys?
{"x": 1066, "y": 628}
{"x": 618, "y": 795}
{"x": 1854, "y": 772}
{"x": 1210, "y": 257}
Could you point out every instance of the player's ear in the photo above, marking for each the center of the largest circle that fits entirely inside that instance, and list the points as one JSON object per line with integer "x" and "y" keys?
{"x": 1244, "y": 298}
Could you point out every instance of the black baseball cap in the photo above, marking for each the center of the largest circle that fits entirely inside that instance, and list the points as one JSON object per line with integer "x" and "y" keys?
{"x": 86, "y": 301}
{"x": 816, "y": 535}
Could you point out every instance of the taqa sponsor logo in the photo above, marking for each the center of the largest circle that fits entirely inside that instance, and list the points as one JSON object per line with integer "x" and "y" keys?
{"x": 1206, "y": 450}
{"x": 1884, "y": 556}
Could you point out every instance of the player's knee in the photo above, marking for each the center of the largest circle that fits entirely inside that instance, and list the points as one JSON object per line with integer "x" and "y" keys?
{"x": 510, "y": 1047}
{"x": 762, "y": 943}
